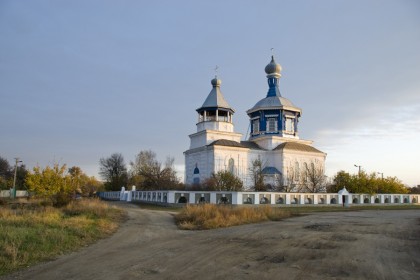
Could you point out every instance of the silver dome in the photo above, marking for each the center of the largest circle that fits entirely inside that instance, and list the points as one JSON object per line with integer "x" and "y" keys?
{"x": 274, "y": 102}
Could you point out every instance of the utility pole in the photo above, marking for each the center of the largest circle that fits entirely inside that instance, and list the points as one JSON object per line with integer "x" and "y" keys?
{"x": 13, "y": 194}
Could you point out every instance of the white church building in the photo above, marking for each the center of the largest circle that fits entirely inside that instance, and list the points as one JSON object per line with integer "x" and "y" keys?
{"x": 274, "y": 138}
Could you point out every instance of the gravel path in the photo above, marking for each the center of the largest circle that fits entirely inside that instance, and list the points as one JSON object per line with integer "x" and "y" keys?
{"x": 338, "y": 245}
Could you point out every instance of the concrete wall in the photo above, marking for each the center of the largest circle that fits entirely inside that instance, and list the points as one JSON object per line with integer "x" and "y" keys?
{"x": 256, "y": 198}
{"x": 6, "y": 193}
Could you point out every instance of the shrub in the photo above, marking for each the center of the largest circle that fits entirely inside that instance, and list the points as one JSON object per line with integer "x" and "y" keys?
{"x": 210, "y": 216}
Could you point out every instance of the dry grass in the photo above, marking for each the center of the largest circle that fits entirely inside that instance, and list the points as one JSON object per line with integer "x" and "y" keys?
{"x": 209, "y": 216}
{"x": 29, "y": 235}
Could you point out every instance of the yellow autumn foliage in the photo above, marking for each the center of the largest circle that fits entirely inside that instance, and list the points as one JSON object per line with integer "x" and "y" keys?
{"x": 53, "y": 183}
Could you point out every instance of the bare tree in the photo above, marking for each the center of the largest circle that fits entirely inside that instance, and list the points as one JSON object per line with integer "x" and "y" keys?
{"x": 281, "y": 184}
{"x": 149, "y": 173}
{"x": 113, "y": 171}
{"x": 291, "y": 182}
{"x": 313, "y": 177}
{"x": 257, "y": 175}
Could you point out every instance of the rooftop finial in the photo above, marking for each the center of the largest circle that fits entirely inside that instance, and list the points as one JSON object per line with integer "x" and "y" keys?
{"x": 216, "y": 70}
{"x": 216, "y": 82}
{"x": 272, "y": 52}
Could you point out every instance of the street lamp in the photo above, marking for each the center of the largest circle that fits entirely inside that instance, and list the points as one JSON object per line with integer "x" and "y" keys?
{"x": 13, "y": 194}
{"x": 382, "y": 174}
{"x": 359, "y": 168}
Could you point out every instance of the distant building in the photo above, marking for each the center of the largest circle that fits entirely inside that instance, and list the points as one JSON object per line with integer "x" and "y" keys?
{"x": 273, "y": 139}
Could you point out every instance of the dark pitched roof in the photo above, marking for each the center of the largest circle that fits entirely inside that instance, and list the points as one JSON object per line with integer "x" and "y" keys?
{"x": 297, "y": 147}
{"x": 251, "y": 145}
{"x": 230, "y": 143}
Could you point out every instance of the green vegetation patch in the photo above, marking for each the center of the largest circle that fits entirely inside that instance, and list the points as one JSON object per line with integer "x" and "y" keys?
{"x": 297, "y": 210}
{"x": 210, "y": 216}
{"x": 28, "y": 236}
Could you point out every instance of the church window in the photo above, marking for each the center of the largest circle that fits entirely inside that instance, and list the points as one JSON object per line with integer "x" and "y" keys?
{"x": 256, "y": 126}
{"x": 196, "y": 176}
{"x": 272, "y": 124}
{"x": 290, "y": 125}
{"x": 231, "y": 165}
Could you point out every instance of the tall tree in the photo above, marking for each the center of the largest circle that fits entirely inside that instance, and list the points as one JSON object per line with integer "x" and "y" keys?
{"x": 92, "y": 186}
{"x": 149, "y": 173}
{"x": 284, "y": 183}
{"x": 313, "y": 178}
{"x": 292, "y": 180}
{"x": 414, "y": 190}
{"x": 391, "y": 185}
{"x": 113, "y": 171}
{"x": 340, "y": 180}
{"x": 366, "y": 183}
{"x": 53, "y": 183}
{"x": 78, "y": 177}
{"x": 226, "y": 181}
{"x": 85, "y": 185}
{"x": 7, "y": 175}
{"x": 257, "y": 175}
{"x": 21, "y": 174}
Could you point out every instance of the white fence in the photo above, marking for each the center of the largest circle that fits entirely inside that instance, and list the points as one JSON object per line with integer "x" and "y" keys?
{"x": 255, "y": 198}
{"x": 7, "y": 193}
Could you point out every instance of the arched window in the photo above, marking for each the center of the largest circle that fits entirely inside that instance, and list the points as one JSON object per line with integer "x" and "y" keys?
{"x": 256, "y": 126}
{"x": 231, "y": 166}
{"x": 290, "y": 125}
{"x": 272, "y": 125}
{"x": 196, "y": 176}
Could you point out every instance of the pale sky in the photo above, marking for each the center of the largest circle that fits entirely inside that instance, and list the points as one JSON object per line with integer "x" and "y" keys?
{"x": 80, "y": 79}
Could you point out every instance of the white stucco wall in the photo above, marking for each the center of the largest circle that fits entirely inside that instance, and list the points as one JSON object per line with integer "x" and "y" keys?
{"x": 206, "y": 137}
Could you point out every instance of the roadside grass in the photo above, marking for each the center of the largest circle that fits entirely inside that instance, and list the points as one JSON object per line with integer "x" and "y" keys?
{"x": 298, "y": 210}
{"x": 210, "y": 216}
{"x": 32, "y": 234}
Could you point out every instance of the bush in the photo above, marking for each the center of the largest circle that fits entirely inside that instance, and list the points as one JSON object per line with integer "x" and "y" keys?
{"x": 210, "y": 216}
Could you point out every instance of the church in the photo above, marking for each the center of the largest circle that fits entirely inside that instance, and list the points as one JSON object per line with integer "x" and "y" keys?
{"x": 273, "y": 140}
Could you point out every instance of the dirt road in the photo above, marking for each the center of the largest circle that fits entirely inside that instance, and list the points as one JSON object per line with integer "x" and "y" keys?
{"x": 348, "y": 245}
